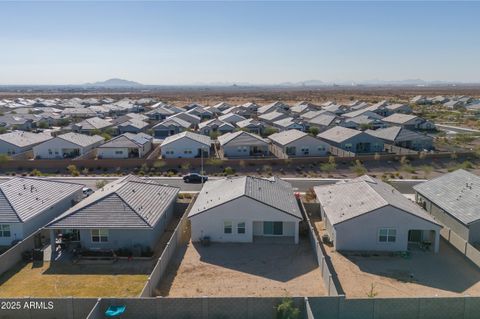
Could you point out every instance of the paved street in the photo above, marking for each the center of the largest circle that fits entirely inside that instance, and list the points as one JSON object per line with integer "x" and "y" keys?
{"x": 299, "y": 184}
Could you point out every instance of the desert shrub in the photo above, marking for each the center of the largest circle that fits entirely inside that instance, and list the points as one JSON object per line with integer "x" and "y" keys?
{"x": 72, "y": 170}
{"x": 358, "y": 168}
{"x": 229, "y": 170}
{"x": 287, "y": 310}
{"x": 101, "y": 183}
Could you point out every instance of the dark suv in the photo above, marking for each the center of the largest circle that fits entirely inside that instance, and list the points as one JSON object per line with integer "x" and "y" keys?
{"x": 195, "y": 178}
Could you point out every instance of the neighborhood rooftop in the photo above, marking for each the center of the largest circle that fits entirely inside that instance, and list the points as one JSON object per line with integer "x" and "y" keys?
{"x": 273, "y": 192}
{"x": 22, "y": 139}
{"x": 81, "y": 139}
{"x": 129, "y": 202}
{"x": 458, "y": 193}
{"x": 24, "y": 198}
{"x": 346, "y": 200}
{"x": 193, "y": 136}
{"x": 286, "y": 137}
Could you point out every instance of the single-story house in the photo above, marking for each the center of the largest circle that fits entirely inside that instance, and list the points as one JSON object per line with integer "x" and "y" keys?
{"x": 69, "y": 145}
{"x": 275, "y": 106}
{"x": 323, "y": 121}
{"x": 129, "y": 213}
{"x": 399, "y": 136}
{"x": 231, "y": 118}
{"x": 399, "y": 108}
{"x": 201, "y": 112}
{"x": 243, "y": 144}
{"x": 273, "y": 116}
{"x": 251, "y": 126}
{"x": 188, "y": 117}
{"x": 363, "y": 122}
{"x": 28, "y": 204}
{"x": 222, "y": 106}
{"x": 127, "y": 145}
{"x": 351, "y": 140}
{"x": 215, "y": 126}
{"x": 245, "y": 209}
{"x": 170, "y": 126}
{"x": 186, "y": 145}
{"x": 454, "y": 200}
{"x": 132, "y": 126}
{"x": 366, "y": 214}
{"x": 409, "y": 121}
{"x": 295, "y": 143}
{"x": 91, "y": 125}
{"x": 16, "y": 122}
{"x": 289, "y": 123}
{"x": 17, "y": 142}
{"x": 159, "y": 113}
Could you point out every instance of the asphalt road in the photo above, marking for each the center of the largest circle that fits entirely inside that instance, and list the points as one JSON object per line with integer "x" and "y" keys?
{"x": 299, "y": 184}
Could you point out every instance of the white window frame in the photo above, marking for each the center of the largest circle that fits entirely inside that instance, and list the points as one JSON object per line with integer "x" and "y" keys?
{"x": 388, "y": 235}
{"x": 4, "y": 228}
{"x": 101, "y": 233}
{"x": 227, "y": 225}
{"x": 244, "y": 227}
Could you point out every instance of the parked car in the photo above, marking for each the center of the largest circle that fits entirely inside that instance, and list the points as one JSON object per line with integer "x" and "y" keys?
{"x": 87, "y": 191}
{"x": 195, "y": 178}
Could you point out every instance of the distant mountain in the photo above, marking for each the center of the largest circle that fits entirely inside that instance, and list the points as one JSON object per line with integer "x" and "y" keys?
{"x": 115, "y": 83}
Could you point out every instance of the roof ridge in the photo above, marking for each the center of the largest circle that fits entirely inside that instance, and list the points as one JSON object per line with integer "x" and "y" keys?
{"x": 133, "y": 209}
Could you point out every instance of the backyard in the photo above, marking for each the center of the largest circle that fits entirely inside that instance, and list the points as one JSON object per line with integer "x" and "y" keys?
{"x": 258, "y": 269}
{"x": 120, "y": 279}
{"x": 447, "y": 273}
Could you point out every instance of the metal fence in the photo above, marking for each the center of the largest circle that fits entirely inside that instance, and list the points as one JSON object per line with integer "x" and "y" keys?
{"x": 180, "y": 236}
{"x": 329, "y": 277}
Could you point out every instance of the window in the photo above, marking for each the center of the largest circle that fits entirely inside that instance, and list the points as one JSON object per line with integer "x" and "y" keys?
{"x": 348, "y": 146}
{"x": 291, "y": 150}
{"x": 118, "y": 152}
{"x": 227, "y": 227}
{"x": 305, "y": 150}
{"x": 5, "y": 231}
{"x": 241, "y": 228}
{"x": 387, "y": 235}
{"x": 99, "y": 235}
{"x": 273, "y": 228}
{"x": 187, "y": 151}
{"x": 321, "y": 148}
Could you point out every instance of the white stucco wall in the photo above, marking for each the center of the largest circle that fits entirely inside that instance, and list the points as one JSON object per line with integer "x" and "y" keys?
{"x": 211, "y": 223}
{"x": 16, "y": 232}
{"x": 7, "y": 148}
{"x": 179, "y": 146}
{"x": 361, "y": 233}
{"x": 316, "y": 147}
{"x": 56, "y": 145}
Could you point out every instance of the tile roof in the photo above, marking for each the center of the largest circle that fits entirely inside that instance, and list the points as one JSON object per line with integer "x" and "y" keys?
{"x": 81, "y": 139}
{"x": 338, "y": 134}
{"x": 241, "y": 138}
{"x": 128, "y": 140}
{"x": 24, "y": 198}
{"x": 272, "y": 192}
{"x": 457, "y": 193}
{"x": 287, "y": 137}
{"x": 93, "y": 123}
{"x": 346, "y": 200}
{"x": 22, "y": 139}
{"x": 397, "y": 134}
{"x": 399, "y": 118}
{"x": 129, "y": 202}
{"x": 190, "y": 135}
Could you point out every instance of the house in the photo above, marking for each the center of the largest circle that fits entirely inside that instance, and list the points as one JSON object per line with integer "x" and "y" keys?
{"x": 453, "y": 199}
{"x": 363, "y": 122}
{"x": 91, "y": 125}
{"x": 186, "y": 145}
{"x": 245, "y": 209}
{"x": 188, "y": 117}
{"x": 420, "y": 100}
{"x": 215, "y": 126}
{"x": 78, "y": 112}
{"x": 243, "y": 144}
{"x": 132, "y": 126}
{"x": 17, "y": 142}
{"x": 272, "y": 116}
{"x": 351, "y": 140}
{"x": 336, "y": 109}
{"x": 222, "y": 106}
{"x": 275, "y": 106}
{"x": 69, "y": 145}
{"x": 16, "y": 122}
{"x": 251, "y": 126}
{"x": 295, "y": 143}
{"x": 399, "y": 108}
{"x": 127, "y": 145}
{"x": 289, "y": 123}
{"x": 366, "y": 214}
{"x": 170, "y": 126}
{"x": 159, "y": 113}
{"x": 303, "y": 107}
{"x": 231, "y": 118}
{"x": 201, "y": 112}
{"x": 28, "y": 204}
{"x": 129, "y": 213}
{"x": 402, "y": 137}
{"x": 409, "y": 121}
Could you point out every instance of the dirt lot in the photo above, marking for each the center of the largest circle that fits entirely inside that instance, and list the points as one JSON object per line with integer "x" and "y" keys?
{"x": 243, "y": 270}
{"x": 121, "y": 279}
{"x": 447, "y": 273}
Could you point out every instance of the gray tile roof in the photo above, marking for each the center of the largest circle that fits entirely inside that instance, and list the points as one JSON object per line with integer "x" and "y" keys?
{"x": 397, "y": 134}
{"x": 457, "y": 193}
{"x": 399, "y": 118}
{"x": 174, "y": 121}
{"x": 286, "y": 137}
{"x": 215, "y": 123}
{"x": 23, "y": 139}
{"x": 231, "y": 118}
{"x": 140, "y": 124}
{"x": 338, "y": 134}
{"x": 128, "y": 140}
{"x": 346, "y": 200}
{"x": 249, "y": 123}
{"x": 129, "y": 202}
{"x": 271, "y": 116}
{"x": 241, "y": 138}
{"x": 272, "y": 192}
{"x": 81, "y": 139}
{"x": 24, "y": 198}
{"x": 323, "y": 119}
{"x": 190, "y": 135}
{"x": 93, "y": 123}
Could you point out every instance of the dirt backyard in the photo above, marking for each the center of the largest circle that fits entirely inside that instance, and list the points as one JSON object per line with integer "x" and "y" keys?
{"x": 447, "y": 273}
{"x": 243, "y": 270}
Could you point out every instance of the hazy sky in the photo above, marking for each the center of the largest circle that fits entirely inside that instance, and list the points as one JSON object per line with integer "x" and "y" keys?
{"x": 256, "y": 42}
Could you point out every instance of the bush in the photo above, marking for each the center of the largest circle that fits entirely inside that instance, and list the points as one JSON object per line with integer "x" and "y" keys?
{"x": 287, "y": 310}
{"x": 72, "y": 170}
{"x": 101, "y": 183}
{"x": 358, "y": 168}
{"x": 214, "y": 162}
{"x": 228, "y": 170}
{"x": 36, "y": 172}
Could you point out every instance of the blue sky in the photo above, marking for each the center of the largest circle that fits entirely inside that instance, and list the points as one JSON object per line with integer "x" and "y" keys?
{"x": 255, "y": 42}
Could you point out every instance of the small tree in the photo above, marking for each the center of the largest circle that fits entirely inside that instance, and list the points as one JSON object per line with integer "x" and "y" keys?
{"x": 35, "y": 172}
{"x": 101, "y": 183}
{"x": 72, "y": 169}
{"x": 43, "y": 125}
{"x": 358, "y": 168}
{"x": 287, "y": 310}
{"x": 313, "y": 131}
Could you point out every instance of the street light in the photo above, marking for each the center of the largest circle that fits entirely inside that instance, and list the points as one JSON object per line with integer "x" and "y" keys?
{"x": 201, "y": 161}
